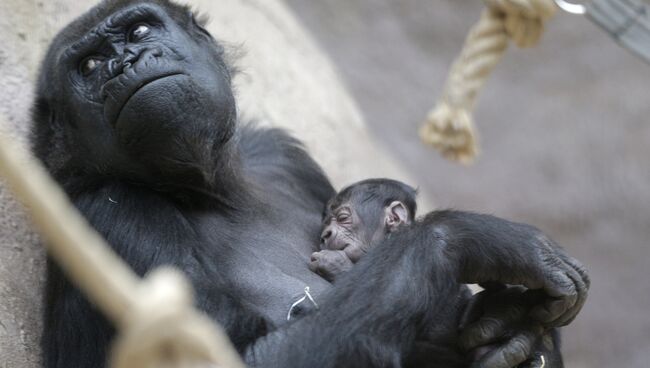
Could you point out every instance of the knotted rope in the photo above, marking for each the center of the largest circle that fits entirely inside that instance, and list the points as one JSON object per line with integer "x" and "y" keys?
{"x": 157, "y": 325}
{"x": 449, "y": 127}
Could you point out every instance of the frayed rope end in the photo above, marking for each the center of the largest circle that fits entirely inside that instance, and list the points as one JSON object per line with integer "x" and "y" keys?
{"x": 451, "y": 131}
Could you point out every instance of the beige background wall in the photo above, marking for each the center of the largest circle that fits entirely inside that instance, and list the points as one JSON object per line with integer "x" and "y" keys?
{"x": 285, "y": 81}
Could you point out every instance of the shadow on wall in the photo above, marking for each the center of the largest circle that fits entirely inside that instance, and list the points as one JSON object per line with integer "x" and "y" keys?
{"x": 565, "y": 135}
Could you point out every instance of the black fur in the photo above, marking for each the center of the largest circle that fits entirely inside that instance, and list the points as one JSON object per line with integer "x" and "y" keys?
{"x": 169, "y": 177}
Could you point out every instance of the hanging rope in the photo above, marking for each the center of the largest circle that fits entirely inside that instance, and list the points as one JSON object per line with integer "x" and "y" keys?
{"x": 449, "y": 127}
{"x": 157, "y": 325}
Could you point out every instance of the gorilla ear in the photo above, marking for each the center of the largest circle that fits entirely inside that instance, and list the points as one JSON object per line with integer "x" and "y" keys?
{"x": 395, "y": 214}
{"x": 43, "y": 114}
{"x": 42, "y": 110}
{"x": 48, "y": 136}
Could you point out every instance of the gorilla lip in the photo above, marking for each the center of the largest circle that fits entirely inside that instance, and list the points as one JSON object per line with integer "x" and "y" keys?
{"x": 114, "y": 103}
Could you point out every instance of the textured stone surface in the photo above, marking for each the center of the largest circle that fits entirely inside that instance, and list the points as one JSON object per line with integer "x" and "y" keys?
{"x": 285, "y": 81}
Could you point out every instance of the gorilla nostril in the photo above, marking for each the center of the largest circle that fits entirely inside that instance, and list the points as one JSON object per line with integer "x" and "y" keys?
{"x": 326, "y": 235}
{"x": 131, "y": 55}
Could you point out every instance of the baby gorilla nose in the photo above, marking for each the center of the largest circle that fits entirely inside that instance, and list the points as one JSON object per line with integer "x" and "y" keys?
{"x": 327, "y": 233}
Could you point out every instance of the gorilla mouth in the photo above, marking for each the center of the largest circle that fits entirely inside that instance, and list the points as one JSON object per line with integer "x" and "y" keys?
{"x": 340, "y": 246}
{"x": 114, "y": 103}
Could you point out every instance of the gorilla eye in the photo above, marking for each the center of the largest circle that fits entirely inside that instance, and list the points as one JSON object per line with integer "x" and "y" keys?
{"x": 89, "y": 64}
{"x": 342, "y": 217}
{"x": 138, "y": 31}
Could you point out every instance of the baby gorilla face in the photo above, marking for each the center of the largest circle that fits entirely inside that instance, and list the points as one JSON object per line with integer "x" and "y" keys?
{"x": 359, "y": 218}
{"x": 347, "y": 235}
{"x": 345, "y": 230}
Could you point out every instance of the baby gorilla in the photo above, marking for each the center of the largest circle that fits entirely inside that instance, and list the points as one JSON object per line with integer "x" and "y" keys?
{"x": 358, "y": 218}
{"x": 364, "y": 214}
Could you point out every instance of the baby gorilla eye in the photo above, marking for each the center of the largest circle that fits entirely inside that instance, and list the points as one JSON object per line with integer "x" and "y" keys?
{"x": 138, "y": 32}
{"x": 89, "y": 64}
{"x": 342, "y": 217}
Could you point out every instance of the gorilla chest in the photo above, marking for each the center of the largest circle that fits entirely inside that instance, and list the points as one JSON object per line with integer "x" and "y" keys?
{"x": 266, "y": 263}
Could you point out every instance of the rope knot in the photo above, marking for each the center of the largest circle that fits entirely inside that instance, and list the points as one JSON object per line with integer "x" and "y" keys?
{"x": 524, "y": 20}
{"x": 162, "y": 329}
{"x": 451, "y": 131}
{"x": 449, "y": 126}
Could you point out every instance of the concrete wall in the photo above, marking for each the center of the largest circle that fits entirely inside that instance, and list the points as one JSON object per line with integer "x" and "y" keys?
{"x": 285, "y": 81}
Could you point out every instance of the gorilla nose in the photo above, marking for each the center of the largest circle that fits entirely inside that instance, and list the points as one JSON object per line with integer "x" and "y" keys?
{"x": 325, "y": 235}
{"x": 133, "y": 54}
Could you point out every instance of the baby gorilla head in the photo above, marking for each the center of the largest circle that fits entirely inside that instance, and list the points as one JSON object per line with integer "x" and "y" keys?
{"x": 358, "y": 218}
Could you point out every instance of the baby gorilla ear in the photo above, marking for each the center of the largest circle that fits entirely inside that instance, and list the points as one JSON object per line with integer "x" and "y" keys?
{"x": 395, "y": 214}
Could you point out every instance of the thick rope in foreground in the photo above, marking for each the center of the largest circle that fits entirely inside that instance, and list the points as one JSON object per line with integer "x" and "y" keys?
{"x": 449, "y": 127}
{"x": 157, "y": 325}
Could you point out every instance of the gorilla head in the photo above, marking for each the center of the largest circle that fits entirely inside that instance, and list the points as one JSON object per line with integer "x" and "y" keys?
{"x": 143, "y": 92}
{"x": 361, "y": 215}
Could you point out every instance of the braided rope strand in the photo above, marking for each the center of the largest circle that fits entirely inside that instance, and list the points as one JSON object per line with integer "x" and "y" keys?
{"x": 449, "y": 126}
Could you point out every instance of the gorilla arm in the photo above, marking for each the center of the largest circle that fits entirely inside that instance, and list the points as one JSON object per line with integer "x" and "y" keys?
{"x": 412, "y": 283}
{"x": 489, "y": 249}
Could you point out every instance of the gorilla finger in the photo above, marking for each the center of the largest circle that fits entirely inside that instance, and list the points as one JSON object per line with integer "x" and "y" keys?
{"x": 482, "y": 332}
{"x": 484, "y": 303}
{"x": 534, "y": 297}
{"x": 550, "y": 312}
{"x": 580, "y": 269}
{"x": 570, "y": 314}
{"x": 473, "y": 310}
{"x": 576, "y": 265}
{"x": 491, "y": 328}
{"x": 516, "y": 351}
{"x": 313, "y": 266}
{"x": 580, "y": 287}
{"x": 492, "y": 325}
{"x": 564, "y": 295}
{"x": 492, "y": 285}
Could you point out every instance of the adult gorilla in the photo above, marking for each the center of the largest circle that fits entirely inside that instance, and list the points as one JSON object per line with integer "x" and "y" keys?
{"x": 136, "y": 119}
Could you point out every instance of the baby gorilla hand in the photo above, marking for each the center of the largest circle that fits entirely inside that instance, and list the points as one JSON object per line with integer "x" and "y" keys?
{"x": 330, "y": 263}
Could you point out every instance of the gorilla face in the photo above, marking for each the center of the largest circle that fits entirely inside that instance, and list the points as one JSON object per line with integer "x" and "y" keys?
{"x": 142, "y": 91}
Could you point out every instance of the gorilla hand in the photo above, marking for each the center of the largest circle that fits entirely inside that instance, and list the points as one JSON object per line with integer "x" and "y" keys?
{"x": 330, "y": 263}
{"x": 490, "y": 249}
{"x": 496, "y": 329}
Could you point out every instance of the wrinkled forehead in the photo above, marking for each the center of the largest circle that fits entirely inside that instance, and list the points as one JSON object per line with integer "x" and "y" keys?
{"x": 102, "y": 13}
{"x": 355, "y": 196}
